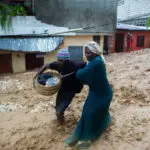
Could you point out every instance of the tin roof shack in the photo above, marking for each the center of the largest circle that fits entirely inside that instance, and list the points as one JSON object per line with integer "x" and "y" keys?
{"x": 27, "y": 46}
{"x": 129, "y": 38}
{"x": 18, "y": 54}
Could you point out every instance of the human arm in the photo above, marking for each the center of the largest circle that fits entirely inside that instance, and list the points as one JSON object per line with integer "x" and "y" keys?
{"x": 42, "y": 69}
{"x": 54, "y": 65}
{"x": 80, "y": 64}
{"x": 85, "y": 74}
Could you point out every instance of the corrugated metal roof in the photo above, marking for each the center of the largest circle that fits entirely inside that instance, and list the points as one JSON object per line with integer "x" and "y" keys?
{"x": 30, "y": 44}
{"x": 28, "y": 25}
{"x": 123, "y": 26}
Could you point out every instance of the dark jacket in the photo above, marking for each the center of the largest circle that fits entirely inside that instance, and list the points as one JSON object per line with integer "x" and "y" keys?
{"x": 69, "y": 83}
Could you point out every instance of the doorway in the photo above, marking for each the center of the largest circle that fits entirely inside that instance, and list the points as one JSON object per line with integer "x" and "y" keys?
{"x": 5, "y": 63}
{"x": 119, "y": 42}
{"x": 33, "y": 61}
{"x": 105, "y": 48}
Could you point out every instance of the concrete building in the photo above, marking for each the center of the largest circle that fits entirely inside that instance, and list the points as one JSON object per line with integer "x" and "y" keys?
{"x": 135, "y": 12}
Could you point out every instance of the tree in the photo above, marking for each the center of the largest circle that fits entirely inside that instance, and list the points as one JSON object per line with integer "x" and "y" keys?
{"x": 148, "y": 23}
{"x": 6, "y": 14}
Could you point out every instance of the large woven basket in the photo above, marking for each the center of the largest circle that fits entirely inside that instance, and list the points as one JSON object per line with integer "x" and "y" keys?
{"x": 47, "y": 91}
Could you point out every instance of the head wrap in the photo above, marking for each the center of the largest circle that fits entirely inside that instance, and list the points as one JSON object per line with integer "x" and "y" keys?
{"x": 94, "y": 48}
{"x": 63, "y": 54}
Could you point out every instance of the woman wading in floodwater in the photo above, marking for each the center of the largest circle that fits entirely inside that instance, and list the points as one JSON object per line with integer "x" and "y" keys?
{"x": 95, "y": 116}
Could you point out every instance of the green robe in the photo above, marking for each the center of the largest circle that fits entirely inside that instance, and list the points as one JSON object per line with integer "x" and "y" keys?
{"x": 95, "y": 115}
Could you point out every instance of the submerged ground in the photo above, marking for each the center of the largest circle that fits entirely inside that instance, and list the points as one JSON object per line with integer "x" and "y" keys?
{"x": 27, "y": 119}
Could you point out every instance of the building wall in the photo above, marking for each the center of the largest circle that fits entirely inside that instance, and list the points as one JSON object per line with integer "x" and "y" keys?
{"x": 102, "y": 42}
{"x": 111, "y": 44}
{"x": 50, "y": 57}
{"x": 76, "y": 40}
{"x": 68, "y": 41}
{"x": 128, "y": 9}
{"x": 80, "y": 41}
{"x": 146, "y": 41}
{"x": 79, "y": 13}
{"x": 18, "y": 62}
{"x": 134, "y": 46}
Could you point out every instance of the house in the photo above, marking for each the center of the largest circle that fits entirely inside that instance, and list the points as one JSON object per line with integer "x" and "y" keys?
{"x": 129, "y": 38}
{"x": 131, "y": 33}
{"x": 31, "y": 43}
{"x": 27, "y": 46}
{"x": 135, "y": 12}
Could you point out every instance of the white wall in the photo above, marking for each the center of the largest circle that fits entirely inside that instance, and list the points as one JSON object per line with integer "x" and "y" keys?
{"x": 18, "y": 62}
{"x": 133, "y": 8}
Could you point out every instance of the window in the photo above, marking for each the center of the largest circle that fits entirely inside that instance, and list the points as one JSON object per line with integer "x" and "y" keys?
{"x": 76, "y": 53}
{"x": 140, "y": 41}
{"x": 96, "y": 39}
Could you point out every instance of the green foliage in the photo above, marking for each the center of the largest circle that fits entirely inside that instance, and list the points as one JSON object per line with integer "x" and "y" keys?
{"x": 17, "y": 10}
{"x": 6, "y": 14}
{"x": 148, "y": 23}
{"x": 3, "y": 15}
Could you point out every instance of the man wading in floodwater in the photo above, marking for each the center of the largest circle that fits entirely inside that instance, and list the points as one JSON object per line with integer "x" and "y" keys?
{"x": 70, "y": 84}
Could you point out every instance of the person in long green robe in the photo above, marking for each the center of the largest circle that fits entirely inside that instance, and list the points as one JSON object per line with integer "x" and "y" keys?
{"x": 95, "y": 116}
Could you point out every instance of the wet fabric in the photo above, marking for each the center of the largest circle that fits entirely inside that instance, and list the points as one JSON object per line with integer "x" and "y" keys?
{"x": 95, "y": 115}
{"x": 52, "y": 81}
{"x": 63, "y": 100}
{"x": 70, "y": 84}
{"x": 43, "y": 78}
